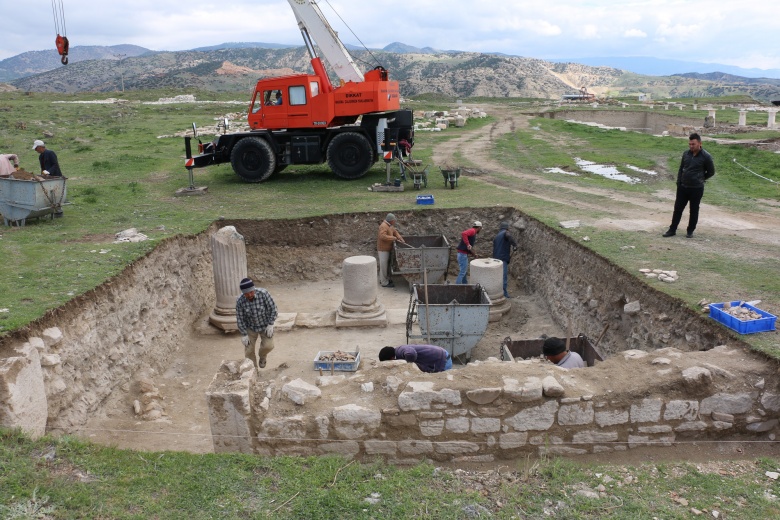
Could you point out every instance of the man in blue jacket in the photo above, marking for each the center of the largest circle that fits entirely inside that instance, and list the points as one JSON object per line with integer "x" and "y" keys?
{"x": 503, "y": 245}
{"x": 695, "y": 168}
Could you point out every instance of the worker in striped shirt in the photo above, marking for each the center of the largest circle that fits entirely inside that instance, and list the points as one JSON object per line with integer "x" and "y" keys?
{"x": 255, "y": 316}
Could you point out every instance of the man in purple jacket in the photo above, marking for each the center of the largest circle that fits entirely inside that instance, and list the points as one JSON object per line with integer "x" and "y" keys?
{"x": 429, "y": 358}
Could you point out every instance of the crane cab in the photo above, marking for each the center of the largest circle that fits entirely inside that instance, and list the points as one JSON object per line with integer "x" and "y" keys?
{"x": 302, "y": 101}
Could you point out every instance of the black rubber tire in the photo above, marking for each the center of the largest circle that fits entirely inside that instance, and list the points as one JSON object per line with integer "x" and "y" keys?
{"x": 350, "y": 155}
{"x": 253, "y": 159}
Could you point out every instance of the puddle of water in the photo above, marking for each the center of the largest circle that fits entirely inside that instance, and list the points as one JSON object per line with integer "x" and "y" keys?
{"x": 640, "y": 170}
{"x": 609, "y": 172}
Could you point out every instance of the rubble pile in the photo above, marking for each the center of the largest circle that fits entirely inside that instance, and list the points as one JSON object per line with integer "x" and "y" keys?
{"x": 664, "y": 276}
{"x": 337, "y": 356}
{"x": 741, "y": 313}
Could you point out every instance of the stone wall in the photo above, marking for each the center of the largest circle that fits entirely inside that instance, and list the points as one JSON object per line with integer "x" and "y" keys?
{"x": 99, "y": 340}
{"x": 654, "y": 122}
{"x": 495, "y": 410}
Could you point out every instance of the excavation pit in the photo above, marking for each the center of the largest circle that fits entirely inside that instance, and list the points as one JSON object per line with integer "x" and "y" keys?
{"x": 670, "y": 375}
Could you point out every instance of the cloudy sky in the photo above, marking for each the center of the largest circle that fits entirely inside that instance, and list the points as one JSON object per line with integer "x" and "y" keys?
{"x": 742, "y": 33}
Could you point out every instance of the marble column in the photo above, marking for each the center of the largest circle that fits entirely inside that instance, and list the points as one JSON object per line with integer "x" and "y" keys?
{"x": 743, "y": 118}
{"x": 228, "y": 260}
{"x": 489, "y": 273}
{"x": 712, "y": 115}
{"x": 360, "y": 306}
{"x": 770, "y": 123}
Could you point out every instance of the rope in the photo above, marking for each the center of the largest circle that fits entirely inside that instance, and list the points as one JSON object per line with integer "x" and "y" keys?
{"x": 58, "y": 10}
{"x": 754, "y": 173}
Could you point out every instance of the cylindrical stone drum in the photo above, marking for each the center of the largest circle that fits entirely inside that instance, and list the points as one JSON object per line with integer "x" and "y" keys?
{"x": 489, "y": 273}
{"x": 359, "y": 278}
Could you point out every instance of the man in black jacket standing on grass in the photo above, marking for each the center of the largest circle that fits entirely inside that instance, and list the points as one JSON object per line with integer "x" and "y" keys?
{"x": 695, "y": 168}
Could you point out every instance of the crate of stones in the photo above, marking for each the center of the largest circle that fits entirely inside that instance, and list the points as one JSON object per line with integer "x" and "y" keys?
{"x": 330, "y": 360}
{"x": 742, "y": 317}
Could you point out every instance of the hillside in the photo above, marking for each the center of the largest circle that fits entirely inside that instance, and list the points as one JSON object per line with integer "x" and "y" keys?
{"x": 37, "y": 62}
{"x": 459, "y": 74}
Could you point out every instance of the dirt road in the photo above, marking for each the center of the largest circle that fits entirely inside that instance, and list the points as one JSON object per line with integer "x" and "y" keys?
{"x": 628, "y": 211}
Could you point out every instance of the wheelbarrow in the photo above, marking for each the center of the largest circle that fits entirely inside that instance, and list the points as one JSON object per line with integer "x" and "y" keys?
{"x": 453, "y": 317}
{"x": 532, "y": 348}
{"x": 23, "y": 199}
{"x": 411, "y": 168}
{"x": 450, "y": 176}
{"x": 421, "y": 253}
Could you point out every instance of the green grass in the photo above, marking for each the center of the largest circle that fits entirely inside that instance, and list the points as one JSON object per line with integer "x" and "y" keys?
{"x": 68, "y": 478}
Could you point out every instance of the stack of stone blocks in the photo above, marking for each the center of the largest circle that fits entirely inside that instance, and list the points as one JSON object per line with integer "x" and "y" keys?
{"x": 404, "y": 415}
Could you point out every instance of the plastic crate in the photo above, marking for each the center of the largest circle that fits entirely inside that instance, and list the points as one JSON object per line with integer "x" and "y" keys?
{"x": 765, "y": 324}
{"x": 338, "y": 366}
{"x": 424, "y": 199}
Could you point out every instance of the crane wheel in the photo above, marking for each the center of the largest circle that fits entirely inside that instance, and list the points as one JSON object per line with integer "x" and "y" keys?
{"x": 253, "y": 159}
{"x": 350, "y": 155}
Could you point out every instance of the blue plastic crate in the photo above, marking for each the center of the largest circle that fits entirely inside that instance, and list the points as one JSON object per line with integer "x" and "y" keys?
{"x": 424, "y": 199}
{"x": 338, "y": 366}
{"x": 765, "y": 324}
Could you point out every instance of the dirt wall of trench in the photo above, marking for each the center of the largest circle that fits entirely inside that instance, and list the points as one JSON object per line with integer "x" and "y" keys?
{"x": 98, "y": 341}
{"x": 591, "y": 291}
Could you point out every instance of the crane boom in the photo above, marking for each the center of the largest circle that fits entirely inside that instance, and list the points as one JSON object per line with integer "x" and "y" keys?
{"x": 313, "y": 25}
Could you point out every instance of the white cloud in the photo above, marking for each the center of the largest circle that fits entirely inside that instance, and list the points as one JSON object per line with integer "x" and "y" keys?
{"x": 634, "y": 33}
{"x": 589, "y": 32}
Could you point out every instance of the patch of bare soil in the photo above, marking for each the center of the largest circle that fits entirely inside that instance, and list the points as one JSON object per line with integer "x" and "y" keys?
{"x": 185, "y": 425}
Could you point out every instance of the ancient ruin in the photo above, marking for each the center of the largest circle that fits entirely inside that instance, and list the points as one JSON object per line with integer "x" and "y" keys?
{"x": 670, "y": 374}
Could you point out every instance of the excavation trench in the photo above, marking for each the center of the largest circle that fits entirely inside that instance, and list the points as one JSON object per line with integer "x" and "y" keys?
{"x": 670, "y": 376}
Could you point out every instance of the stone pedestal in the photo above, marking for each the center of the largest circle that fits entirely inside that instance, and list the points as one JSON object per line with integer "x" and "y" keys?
{"x": 743, "y": 118}
{"x": 770, "y": 123}
{"x": 228, "y": 259}
{"x": 489, "y": 273}
{"x": 711, "y": 113}
{"x": 360, "y": 306}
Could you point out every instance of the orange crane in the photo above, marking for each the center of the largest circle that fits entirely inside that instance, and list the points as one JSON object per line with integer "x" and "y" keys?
{"x": 306, "y": 119}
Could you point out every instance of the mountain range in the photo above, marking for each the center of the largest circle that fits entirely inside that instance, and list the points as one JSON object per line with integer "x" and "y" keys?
{"x": 236, "y": 66}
